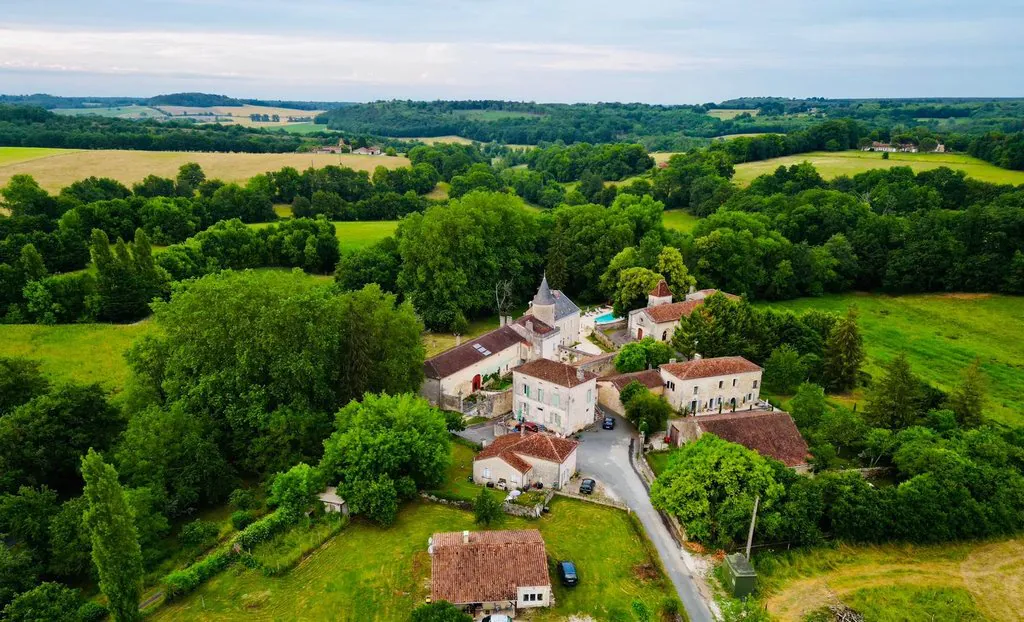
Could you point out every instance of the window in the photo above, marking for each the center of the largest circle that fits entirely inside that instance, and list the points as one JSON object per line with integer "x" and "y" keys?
{"x": 540, "y": 394}
{"x": 733, "y": 382}
{"x": 671, "y": 385}
{"x": 720, "y": 384}
{"x": 695, "y": 389}
{"x": 555, "y": 399}
{"x": 755, "y": 384}
{"x": 526, "y": 390}
{"x": 664, "y": 335}
{"x": 590, "y": 396}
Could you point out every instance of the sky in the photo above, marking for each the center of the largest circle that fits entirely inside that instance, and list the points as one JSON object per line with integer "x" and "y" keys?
{"x": 668, "y": 51}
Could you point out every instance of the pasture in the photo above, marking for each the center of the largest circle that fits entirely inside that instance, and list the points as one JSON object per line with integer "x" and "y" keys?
{"x": 355, "y": 235}
{"x": 239, "y": 115}
{"x": 834, "y": 164}
{"x": 434, "y": 140}
{"x": 59, "y": 167}
{"x": 680, "y": 220}
{"x": 941, "y": 334}
{"x": 368, "y": 572}
{"x": 888, "y": 583}
{"x": 119, "y": 112}
{"x": 731, "y": 113}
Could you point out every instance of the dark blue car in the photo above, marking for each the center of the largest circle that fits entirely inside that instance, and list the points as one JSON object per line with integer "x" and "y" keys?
{"x": 567, "y": 572}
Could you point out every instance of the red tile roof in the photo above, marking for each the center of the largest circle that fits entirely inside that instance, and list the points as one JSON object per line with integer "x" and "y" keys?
{"x": 709, "y": 368}
{"x": 673, "y": 311}
{"x": 661, "y": 289}
{"x": 490, "y": 567}
{"x": 539, "y": 327}
{"x": 555, "y": 372}
{"x": 510, "y": 448}
{"x": 650, "y": 378}
{"x": 771, "y": 434}
{"x": 462, "y": 356}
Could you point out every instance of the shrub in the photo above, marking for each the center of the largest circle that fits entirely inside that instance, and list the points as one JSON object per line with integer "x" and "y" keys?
{"x": 92, "y": 612}
{"x": 181, "y": 582}
{"x": 242, "y": 519}
{"x": 243, "y": 499}
{"x": 198, "y": 534}
{"x": 263, "y": 529}
{"x": 487, "y": 509}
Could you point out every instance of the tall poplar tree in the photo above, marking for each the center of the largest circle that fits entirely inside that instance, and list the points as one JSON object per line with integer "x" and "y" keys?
{"x": 844, "y": 353}
{"x": 115, "y": 541}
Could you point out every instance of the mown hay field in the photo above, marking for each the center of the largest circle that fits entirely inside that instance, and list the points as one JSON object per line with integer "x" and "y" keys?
{"x": 834, "y": 164}
{"x": 56, "y": 168}
{"x": 965, "y": 582}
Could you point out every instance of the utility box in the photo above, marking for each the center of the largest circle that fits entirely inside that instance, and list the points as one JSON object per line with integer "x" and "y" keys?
{"x": 740, "y": 575}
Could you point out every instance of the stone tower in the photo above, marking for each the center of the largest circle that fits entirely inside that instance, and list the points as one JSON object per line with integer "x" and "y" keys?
{"x": 543, "y": 307}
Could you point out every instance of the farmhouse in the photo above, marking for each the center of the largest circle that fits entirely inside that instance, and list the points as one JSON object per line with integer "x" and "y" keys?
{"x": 371, "y": 151}
{"x": 490, "y": 571}
{"x": 555, "y": 394}
{"x": 770, "y": 433}
{"x": 609, "y": 387}
{"x": 661, "y": 316}
{"x": 552, "y": 320}
{"x": 524, "y": 459}
{"x": 706, "y": 386}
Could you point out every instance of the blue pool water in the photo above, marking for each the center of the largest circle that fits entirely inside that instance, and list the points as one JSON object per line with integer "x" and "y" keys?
{"x": 606, "y": 318}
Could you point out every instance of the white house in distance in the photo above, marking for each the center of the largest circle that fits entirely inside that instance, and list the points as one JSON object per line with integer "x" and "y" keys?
{"x": 523, "y": 459}
{"x": 488, "y": 572}
{"x": 552, "y": 393}
{"x": 552, "y": 321}
{"x": 661, "y": 316}
{"x": 704, "y": 386}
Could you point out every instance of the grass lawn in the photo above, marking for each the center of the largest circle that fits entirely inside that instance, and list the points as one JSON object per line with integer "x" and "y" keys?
{"x": 680, "y": 220}
{"x": 890, "y": 583}
{"x": 831, "y": 165}
{"x": 14, "y": 155}
{"x": 369, "y": 572}
{"x": 658, "y": 460}
{"x": 437, "y": 343}
{"x": 355, "y": 235}
{"x": 128, "y": 167}
{"x": 942, "y": 334}
{"x": 76, "y": 352}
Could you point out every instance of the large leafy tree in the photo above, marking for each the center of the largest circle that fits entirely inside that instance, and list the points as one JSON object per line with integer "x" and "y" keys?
{"x": 128, "y": 280}
{"x": 631, "y": 290}
{"x": 453, "y": 255}
{"x": 20, "y": 381}
{"x": 115, "y": 541}
{"x": 441, "y": 611}
{"x": 42, "y": 440}
{"x": 48, "y": 601}
{"x": 385, "y": 449}
{"x": 644, "y": 354}
{"x": 784, "y": 371}
{"x": 710, "y": 484}
{"x": 648, "y": 412}
{"x": 264, "y": 358}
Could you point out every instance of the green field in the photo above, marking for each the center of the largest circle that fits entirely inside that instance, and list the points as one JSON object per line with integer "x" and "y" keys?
{"x": 680, "y": 220}
{"x": 75, "y": 352}
{"x": 831, "y": 165}
{"x": 372, "y": 573}
{"x": 14, "y": 155}
{"x": 963, "y": 582}
{"x": 120, "y": 112}
{"x": 353, "y": 235}
{"x": 731, "y": 113}
{"x": 304, "y": 128}
{"x": 942, "y": 334}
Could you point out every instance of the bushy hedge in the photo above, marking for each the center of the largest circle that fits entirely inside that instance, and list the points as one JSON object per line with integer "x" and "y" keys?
{"x": 181, "y": 582}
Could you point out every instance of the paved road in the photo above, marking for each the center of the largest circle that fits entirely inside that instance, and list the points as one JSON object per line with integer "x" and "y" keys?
{"x": 604, "y": 455}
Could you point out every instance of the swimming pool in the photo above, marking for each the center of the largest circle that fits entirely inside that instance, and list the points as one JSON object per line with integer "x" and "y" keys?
{"x": 607, "y": 318}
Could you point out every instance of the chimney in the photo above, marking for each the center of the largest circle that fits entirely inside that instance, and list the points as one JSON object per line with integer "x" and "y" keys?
{"x": 692, "y": 289}
{"x": 458, "y": 340}
{"x": 672, "y": 360}
{"x": 579, "y": 374}
{"x": 501, "y": 320}
{"x": 529, "y": 326}
{"x": 465, "y": 537}
{"x": 697, "y": 357}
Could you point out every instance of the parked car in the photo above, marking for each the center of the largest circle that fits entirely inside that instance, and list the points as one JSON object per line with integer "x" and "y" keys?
{"x": 567, "y": 573}
{"x": 529, "y": 425}
{"x": 609, "y": 423}
{"x": 587, "y": 486}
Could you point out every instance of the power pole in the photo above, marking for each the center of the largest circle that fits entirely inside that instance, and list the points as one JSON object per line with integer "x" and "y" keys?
{"x": 753, "y": 519}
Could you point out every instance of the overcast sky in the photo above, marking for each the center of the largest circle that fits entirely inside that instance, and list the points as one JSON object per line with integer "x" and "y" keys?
{"x": 670, "y": 51}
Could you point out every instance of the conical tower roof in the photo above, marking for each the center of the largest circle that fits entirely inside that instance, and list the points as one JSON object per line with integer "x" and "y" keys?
{"x": 544, "y": 295}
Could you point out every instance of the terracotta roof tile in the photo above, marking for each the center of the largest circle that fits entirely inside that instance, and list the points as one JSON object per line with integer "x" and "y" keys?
{"x": 771, "y": 434}
{"x": 490, "y": 567}
{"x": 511, "y": 448}
{"x": 661, "y": 289}
{"x": 673, "y": 311}
{"x": 650, "y": 378}
{"x": 555, "y": 372}
{"x": 462, "y": 356}
{"x": 539, "y": 327}
{"x": 709, "y": 368}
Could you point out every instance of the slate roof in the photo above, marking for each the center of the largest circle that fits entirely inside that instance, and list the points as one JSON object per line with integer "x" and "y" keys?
{"x": 510, "y": 448}
{"x": 771, "y": 434}
{"x": 710, "y": 368}
{"x": 462, "y": 356}
{"x": 650, "y": 378}
{"x": 490, "y": 567}
{"x": 563, "y": 306}
{"x": 555, "y": 372}
{"x": 543, "y": 296}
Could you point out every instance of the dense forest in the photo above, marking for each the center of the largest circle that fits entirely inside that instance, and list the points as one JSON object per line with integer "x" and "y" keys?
{"x": 171, "y": 99}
